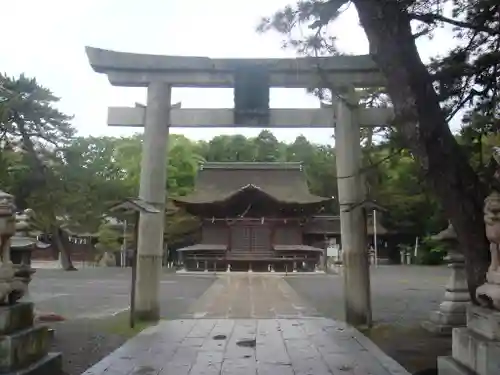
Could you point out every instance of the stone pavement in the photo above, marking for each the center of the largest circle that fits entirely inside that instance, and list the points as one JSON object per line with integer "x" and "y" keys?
{"x": 258, "y": 325}
{"x": 245, "y": 295}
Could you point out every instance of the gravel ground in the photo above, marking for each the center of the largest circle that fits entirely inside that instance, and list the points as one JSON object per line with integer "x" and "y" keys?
{"x": 400, "y": 294}
{"x": 83, "y": 343}
{"x": 88, "y": 298}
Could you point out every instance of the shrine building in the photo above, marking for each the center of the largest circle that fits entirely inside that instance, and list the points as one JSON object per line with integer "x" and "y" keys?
{"x": 253, "y": 217}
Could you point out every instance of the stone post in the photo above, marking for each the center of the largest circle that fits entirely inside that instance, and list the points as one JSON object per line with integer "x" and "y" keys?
{"x": 452, "y": 310}
{"x": 352, "y": 221}
{"x": 152, "y": 190}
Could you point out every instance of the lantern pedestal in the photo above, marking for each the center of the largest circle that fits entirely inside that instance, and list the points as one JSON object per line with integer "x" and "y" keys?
{"x": 452, "y": 311}
{"x": 23, "y": 345}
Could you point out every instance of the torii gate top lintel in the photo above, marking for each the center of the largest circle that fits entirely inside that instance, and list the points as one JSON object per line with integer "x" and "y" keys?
{"x": 132, "y": 69}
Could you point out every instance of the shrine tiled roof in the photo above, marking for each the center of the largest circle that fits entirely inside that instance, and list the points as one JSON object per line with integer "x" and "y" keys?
{"x": 330, "y": 225}
{"x": 218, "y": 182}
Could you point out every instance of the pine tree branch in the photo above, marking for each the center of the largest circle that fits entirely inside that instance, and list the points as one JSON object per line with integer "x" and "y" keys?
{"x": 430, "y": 18}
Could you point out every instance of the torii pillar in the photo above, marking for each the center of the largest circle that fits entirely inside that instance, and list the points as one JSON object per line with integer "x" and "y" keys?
{"x": 153, "y": 183}
{"x": 351, "y": 195}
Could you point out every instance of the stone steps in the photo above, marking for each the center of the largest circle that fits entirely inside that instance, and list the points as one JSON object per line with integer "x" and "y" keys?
{"x": 23, "y": 345}
{"x": 19, "y": 349}
{"x": 51, "y": 364}
{"x": 16, "y": 318}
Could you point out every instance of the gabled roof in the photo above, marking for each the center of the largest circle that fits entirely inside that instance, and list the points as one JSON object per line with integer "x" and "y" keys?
{"x": 218, "y": 182}
{"x": 330, "y": 225}
{"x": 130, "y": 205}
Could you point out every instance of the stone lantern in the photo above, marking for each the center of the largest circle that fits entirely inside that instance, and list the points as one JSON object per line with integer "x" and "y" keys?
{"x": 24, "y": 240}
{"x": 452, "y": 310}
{"x": 24, "y": 345}
{"x": 16, "y": 242}
{"x": 13, "y": 283}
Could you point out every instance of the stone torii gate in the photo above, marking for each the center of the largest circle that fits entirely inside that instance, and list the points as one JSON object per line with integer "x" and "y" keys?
{"x": 160, "y": 73}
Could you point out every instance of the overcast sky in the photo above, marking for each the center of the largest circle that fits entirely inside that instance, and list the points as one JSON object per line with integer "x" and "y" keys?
{"x": 46, "y": 40}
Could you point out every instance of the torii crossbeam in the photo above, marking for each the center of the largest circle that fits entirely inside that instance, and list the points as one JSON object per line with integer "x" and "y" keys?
{"x": 223, "y": 118}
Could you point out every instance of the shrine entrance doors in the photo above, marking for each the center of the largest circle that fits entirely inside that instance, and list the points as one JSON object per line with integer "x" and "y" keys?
{"x": 250, "y": 237}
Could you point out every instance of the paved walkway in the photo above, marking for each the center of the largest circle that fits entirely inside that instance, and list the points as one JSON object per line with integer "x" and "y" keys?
{"x": 259, "y": 296}
{"x": 257, "y": 325}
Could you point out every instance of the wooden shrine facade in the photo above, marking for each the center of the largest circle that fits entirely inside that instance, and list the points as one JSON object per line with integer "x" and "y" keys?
{"x": 253, "y": 217}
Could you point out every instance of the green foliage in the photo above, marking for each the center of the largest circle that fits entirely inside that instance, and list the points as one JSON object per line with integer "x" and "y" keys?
{"x": 398, "y": 185}
{"x": 431, "y": 252}
{"x": 86, "y": 175}
{"x": 318, "y": 160}
{"x": 184, "y": 159}
{"x": 32, "y": 133}
{"x": 466, "y": 77}
{"x": 75, "y": 179}
{"x": 92, "y": 173}
{"x": 108, "y": 239}
{"x": 463, "y": 80}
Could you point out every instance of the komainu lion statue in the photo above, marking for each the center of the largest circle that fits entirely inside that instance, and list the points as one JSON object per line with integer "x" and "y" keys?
{"x": 488, "y": 294}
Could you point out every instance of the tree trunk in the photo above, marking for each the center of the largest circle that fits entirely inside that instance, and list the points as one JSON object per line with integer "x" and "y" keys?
{"x": 61, "y": 243}
{"x": 425, "y": 131}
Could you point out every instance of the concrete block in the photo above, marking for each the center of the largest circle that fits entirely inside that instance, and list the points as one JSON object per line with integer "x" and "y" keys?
{"x": 476, "y": 352}
{"x": 452, "y": 319}
{"x": 19, "y": 350}
{"x": 16, "y": 317}
{"x": 484, "y": 322}
{"x": 438, "y": 329}
{"x": 442, "y": 323}
{"x": 448, "y": 366}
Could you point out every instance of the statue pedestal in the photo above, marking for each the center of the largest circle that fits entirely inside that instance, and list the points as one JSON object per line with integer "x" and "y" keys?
{"x": 452, "y": 311}
{"x": 23, "y": 346}
{"x": 488, "y": 294}
{"x": 476, "y": 348}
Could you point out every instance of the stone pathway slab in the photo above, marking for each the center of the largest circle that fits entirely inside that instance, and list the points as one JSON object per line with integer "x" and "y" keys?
{"x": 313, "y": 346}
{"x": 249, "y": 324}
{"x": 238, "y": 296}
